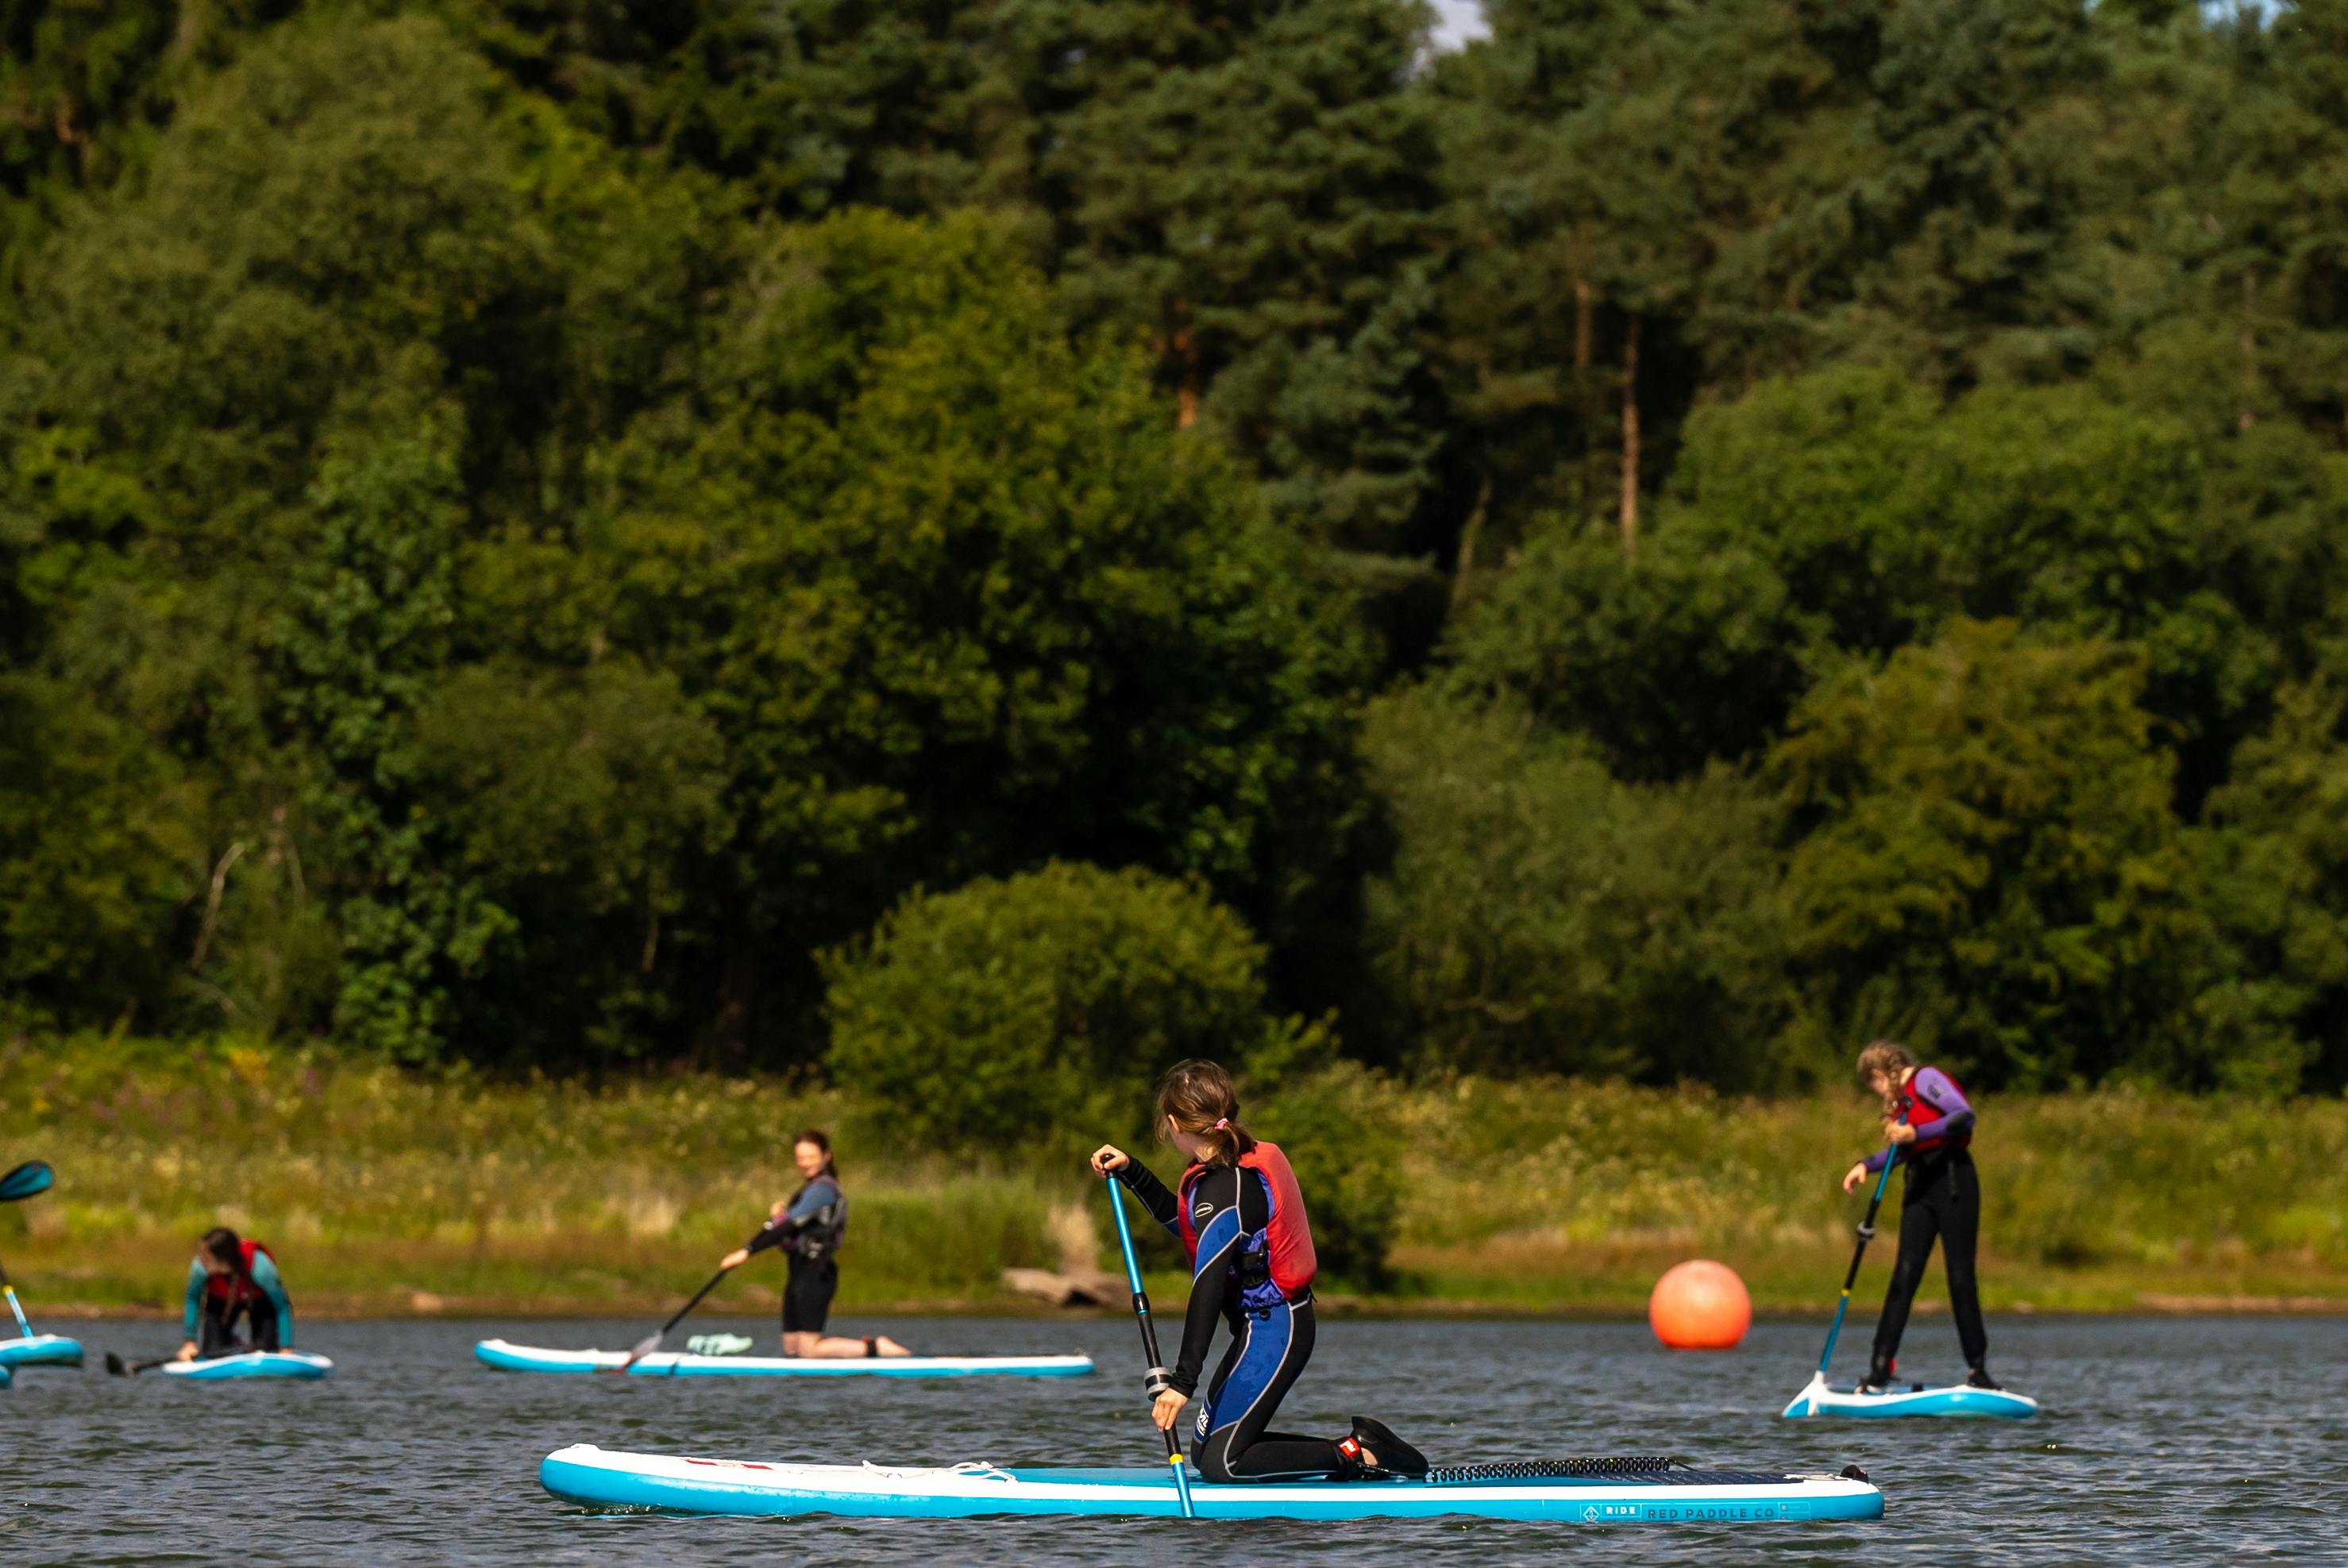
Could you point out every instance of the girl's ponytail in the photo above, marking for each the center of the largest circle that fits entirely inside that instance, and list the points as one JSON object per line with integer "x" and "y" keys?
{"x": 1890, "y": 1058}
{"x": 1199, "y": 1098}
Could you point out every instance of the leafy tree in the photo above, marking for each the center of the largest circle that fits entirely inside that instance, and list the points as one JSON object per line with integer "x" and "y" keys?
{"x": 101, "y": 858}
{"x": 589, "y": 802}
{"x": 1848, "y": 510}
{"x": 362, "y": 643}
{"x": 2274, "y": 854}
{"x": 84, "y": 86}
{"x": 1540, "y": 915}
{"x": 956, "y": 600}
{"x": 1267, "y": 213}
{"x": 1645, "y": 195}
{"x": 1335, "y": 1123}
{"x": 1041, "y": 1009}
{"x": 1679, "y": 657}
{"x": 1992, "y": 868}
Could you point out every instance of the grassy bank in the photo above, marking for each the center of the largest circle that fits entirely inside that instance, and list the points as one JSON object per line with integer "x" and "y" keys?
{"x": 387, "y": 1192}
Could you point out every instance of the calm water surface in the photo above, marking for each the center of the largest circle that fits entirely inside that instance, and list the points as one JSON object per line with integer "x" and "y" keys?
{"x": 2201, "y": 1441}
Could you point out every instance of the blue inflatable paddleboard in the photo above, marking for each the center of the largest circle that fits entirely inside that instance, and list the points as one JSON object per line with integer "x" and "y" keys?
{"x": 251, "y": 1363}
{"x": 1610, "y": 1492}
{"x": 1961, "y": 1400}
{"x": 40, "y": 1350}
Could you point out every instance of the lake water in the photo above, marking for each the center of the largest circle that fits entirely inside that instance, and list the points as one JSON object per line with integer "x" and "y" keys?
{"x": 2187, "y": 1441}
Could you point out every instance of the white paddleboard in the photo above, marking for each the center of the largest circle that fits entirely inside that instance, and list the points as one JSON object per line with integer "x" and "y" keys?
{"x": 511, "y": 1358}
{"x": 1960, "y": 1400}
{"x": 251, "y": 1363}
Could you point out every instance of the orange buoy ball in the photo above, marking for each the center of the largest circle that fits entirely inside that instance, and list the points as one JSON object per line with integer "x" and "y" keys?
{"x": 1700, "y": 1305}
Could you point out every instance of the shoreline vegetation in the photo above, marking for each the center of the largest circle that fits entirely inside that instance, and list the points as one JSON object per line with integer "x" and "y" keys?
{"x": 393, "y": 1193}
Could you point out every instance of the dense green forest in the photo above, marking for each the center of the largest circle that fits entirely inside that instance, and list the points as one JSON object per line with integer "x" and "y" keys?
{"x": 977, "y": 545}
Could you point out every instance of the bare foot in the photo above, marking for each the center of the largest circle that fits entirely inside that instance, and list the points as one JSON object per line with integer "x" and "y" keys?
{"x": 888, "y": 1347}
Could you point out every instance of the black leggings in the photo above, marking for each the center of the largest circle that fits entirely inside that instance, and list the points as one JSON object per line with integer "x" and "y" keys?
{"x": 807, "y": 1294}
{"x": 217, "y": 1336}
{"x": 1268, "y": 1352}
{"x": 1943, "y": 1201}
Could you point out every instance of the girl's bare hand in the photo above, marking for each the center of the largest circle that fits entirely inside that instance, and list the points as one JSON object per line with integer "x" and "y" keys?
{"x": 735, "y": 1259}
{"x": 1167, "y": 1410}
{"x": 1109, "y": 1157}
{"x": 1852, "y": 1177}
{"x": 1900, "y": 1132}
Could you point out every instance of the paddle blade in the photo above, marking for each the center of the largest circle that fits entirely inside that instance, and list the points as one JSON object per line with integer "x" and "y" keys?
{"x": 114, "y": 1365}
{"x": 28, "y": 1180}
{"x": 641, "y": 1349}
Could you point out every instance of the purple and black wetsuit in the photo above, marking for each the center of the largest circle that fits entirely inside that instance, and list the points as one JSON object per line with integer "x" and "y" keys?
{"x": 1943, "y": 1202}
{"x": 1942, "y": 1115}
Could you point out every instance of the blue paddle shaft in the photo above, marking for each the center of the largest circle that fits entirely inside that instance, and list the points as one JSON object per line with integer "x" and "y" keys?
{"x": 20, "y": 1312}
{"x": 1865, "y": 1234}
{"x": 1148, "y": 1332}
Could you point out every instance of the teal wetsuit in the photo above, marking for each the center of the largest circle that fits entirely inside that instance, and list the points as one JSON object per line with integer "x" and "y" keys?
{"x": 215, "y": 1301}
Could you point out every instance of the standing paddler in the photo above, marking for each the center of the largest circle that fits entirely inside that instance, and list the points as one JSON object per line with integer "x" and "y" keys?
{"x": 1240, "y": 1219}
{"x": 1927, "y": 1120}
{"x": 809, "y": 1226}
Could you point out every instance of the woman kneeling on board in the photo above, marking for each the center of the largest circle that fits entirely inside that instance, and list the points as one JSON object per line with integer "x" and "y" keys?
{"x": 1928, "y": 1119}
{"x": 232, "y": 1278}
{"x": 809, "y": 1227}
{"x": 1240, "y": 1216}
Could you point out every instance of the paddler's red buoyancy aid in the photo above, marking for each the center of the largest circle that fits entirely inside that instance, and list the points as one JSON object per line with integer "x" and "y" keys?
{"x": 238, "y": 1290}
{"x": 1917, "y": 1109}
{"x": 1285, "y": 1244}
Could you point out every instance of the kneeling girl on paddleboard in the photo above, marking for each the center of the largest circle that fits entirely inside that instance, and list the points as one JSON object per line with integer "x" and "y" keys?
{"x": 1241, "y": 1218}
{"x": 809, "y": 1226}
{"x": 233, "y": 1278}
{"x": 1928, "y": 1119}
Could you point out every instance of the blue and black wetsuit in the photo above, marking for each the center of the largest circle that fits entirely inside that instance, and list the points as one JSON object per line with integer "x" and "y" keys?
{"x": 1230, "y": 1211}
{"x": 1943, "y": 1202}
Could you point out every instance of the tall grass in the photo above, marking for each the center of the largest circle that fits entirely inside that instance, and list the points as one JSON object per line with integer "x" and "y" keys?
{"x": 389, "y": 1191}
{"x": 2087, "y": 1199}
{"x": 383, "y": 1187}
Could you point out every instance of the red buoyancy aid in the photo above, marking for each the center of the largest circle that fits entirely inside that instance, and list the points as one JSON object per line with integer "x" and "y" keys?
{"x": 238, "y": 1288}
{"x": 1913, "y": 1103}
{"x": 1288, "y": 1238}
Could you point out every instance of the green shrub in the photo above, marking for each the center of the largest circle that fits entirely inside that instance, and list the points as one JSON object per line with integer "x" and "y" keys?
{"x": 1540, "y": 915}
{"x": 1994, "y": 870}
{"x": 1039, "y": 1010}
{"x": 1338, "y": 1128}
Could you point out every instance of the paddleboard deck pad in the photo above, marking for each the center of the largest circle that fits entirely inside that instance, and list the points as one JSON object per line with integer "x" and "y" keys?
{"x": 508, "y": 1358}
{"x": 1587, "y": 1491}
{"x": 40, "y": 1350}
{"x": 251, "y": 1363}
{"x": 1960, "y": 1401}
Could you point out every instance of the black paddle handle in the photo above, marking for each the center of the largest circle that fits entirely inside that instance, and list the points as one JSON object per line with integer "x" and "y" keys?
{"x": 1874, "y": 1203}
{"x": 1158, "y": 1382}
